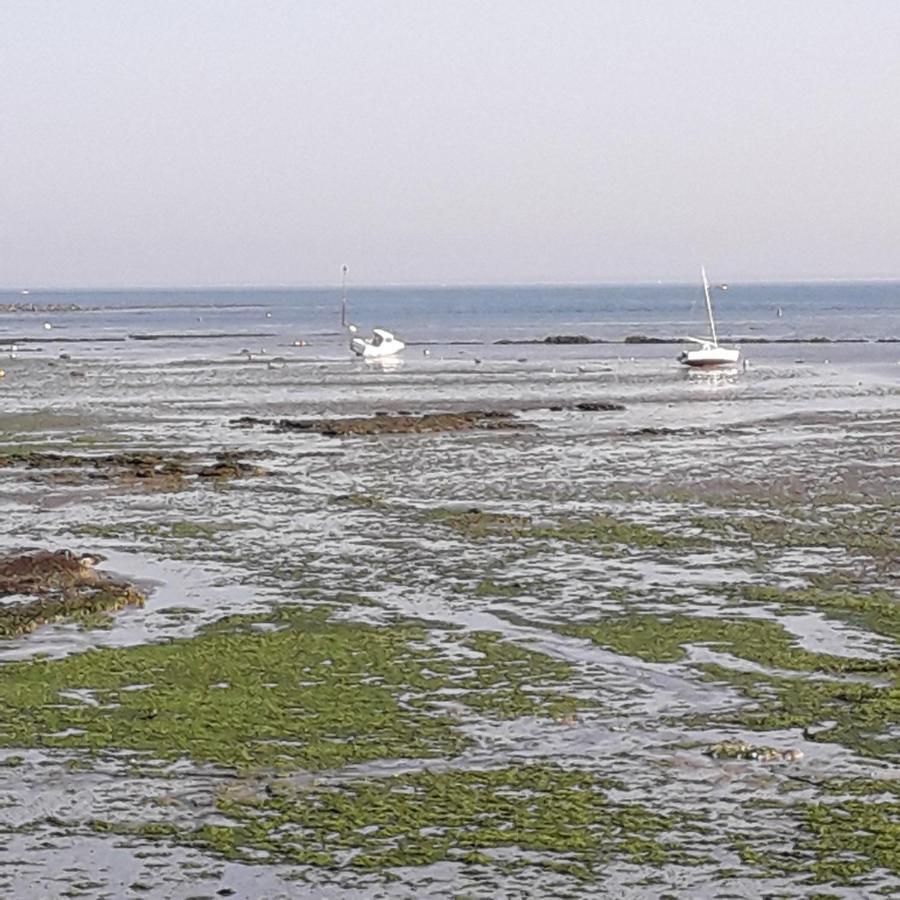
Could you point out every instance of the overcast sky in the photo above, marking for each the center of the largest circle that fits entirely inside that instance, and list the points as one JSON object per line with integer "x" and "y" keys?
{"x": 228, "y": 142}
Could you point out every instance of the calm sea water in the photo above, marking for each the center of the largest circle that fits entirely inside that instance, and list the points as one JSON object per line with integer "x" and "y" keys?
{"x": 188, "y": 322}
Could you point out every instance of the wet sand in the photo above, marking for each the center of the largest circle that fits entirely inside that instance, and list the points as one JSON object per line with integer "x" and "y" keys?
{"x": 479, "y": 661}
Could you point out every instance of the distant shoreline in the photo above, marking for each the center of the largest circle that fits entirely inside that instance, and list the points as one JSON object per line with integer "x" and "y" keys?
{"x": 432, "y": 286}
{"x": 558, "y": 340}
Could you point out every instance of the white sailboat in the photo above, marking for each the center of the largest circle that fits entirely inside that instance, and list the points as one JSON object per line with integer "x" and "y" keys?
{"x": 382, "y": 343}
{"x": 709, "y": 353}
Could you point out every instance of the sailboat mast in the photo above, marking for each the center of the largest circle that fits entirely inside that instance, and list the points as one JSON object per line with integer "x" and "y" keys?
{"x": 712, "y": 325}
{"x": 343, "y": 296}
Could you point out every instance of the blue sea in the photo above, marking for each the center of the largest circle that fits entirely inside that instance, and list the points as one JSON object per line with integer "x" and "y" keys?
{"x": 172, "y": 324}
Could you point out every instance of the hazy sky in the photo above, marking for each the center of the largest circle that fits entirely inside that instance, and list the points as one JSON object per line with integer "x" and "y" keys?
{"x": 219, "y": 142}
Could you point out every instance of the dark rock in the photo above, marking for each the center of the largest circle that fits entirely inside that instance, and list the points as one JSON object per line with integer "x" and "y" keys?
{"x": 643, "y": 339}
{"x": 227, "y": 466}
{"x": 400, "y": 424}
{"x": 567, "y": 339}
{"x": 599, "y": 406}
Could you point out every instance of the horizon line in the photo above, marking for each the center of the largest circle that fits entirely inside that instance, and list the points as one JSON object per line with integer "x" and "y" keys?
{"x": 429, "y": 285}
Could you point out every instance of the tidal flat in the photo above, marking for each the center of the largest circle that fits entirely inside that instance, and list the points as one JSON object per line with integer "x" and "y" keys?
{"x": 645, "y": 643}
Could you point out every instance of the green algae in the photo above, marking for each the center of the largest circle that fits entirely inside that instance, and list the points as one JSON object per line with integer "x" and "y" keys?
{"x": 360, "y": 501}
{"x": 608, "y": 531}
{"x": 877, "y": 610}
{"x": 842, "y": 843}
{"x": 852, "y": 838}
{"x": 542, "y": 815}
{"x": 665, "y": 639}
{"x": 860, "y": 715}
{"x": 313, "y": 694}
{"x": 94, "y": 621}
{"x": 868, "y": 531}
{"x": 508, "y": 681}
{"x": 284, "y": 690}
{"x": 474, "y": 523}
{"x": 487, "y": 587}
{"x": 167, "y": 530}
{"x": 861, "y": 786}
{"x": 88, "y": 606}
{"x": 603, "y": 530}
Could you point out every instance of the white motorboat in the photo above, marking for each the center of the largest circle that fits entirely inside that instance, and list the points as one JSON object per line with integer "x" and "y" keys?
{"x": 708, "y": 353}
{"x": 381, "y": 344}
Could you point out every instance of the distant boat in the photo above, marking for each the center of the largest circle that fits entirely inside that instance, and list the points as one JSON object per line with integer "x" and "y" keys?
{"x": 709, "y": 353}
{"x": 382, "y": 343}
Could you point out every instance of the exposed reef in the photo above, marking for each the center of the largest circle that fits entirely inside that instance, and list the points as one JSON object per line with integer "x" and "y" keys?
{"x": 148, "y": 470}
{"x": 44, "y": 586}
{"x": 39, "y": 307}
{"x": 648, "y": 339}
{"x": 422, "y": 423}
{"x": 388, "y": 423}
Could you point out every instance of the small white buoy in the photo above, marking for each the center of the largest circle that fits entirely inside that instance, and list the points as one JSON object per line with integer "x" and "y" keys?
{"x": 47, "y": 326}
{"x": 268, "y": 315}
{"x": 426, "y": 352}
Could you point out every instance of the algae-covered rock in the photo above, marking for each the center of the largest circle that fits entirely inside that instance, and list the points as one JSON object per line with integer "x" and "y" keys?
{"x": 43, "y": 586}
{"x": 743, "y": 750}
{"x": 388, "y": 423}
{"x": 230, "y": 465}
{"x": 145, "y": 470}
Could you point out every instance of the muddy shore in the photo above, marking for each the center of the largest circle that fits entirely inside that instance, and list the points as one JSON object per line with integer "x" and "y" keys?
{"x": 341, "y": 632}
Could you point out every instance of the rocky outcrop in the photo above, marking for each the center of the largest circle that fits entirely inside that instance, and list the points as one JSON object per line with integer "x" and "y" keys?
{"x": 149, "y": 471}
{"x": 44, "y": 586}
{"x": 391, "y": 423}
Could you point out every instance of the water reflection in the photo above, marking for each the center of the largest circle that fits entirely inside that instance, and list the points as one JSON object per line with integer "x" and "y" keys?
{"x": 385, "y": 363}
{"x": 712, "y": 378}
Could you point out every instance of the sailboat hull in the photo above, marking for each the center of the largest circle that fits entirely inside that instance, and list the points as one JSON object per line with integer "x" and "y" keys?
{"x": 709, "y": 353}
{"x": 709, "y": 356}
